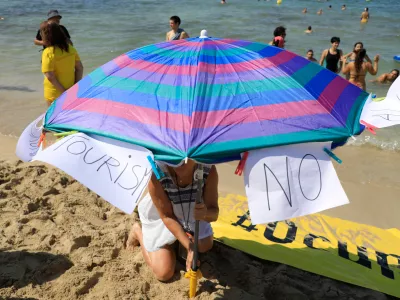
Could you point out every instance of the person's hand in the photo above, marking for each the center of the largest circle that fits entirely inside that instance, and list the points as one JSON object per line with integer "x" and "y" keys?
{"x": 189, "y": 258}
{"x": 200, "y": 212}
{"x": 344, "y": 59}
{"x": 376, "y": 58}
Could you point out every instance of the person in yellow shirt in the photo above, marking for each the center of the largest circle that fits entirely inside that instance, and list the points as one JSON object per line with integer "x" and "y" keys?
{"x": 61, "y": 64}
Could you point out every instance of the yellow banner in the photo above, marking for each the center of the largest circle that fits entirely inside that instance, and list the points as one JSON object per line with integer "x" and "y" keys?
{"x": 355, "y": 253}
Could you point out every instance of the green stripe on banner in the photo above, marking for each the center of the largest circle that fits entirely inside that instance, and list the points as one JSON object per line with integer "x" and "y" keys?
{"x": 173, "y": 51}
{"x": 353, "y": 119}
{"x": 305, "y": 74}
{"x": 208, "y": 91}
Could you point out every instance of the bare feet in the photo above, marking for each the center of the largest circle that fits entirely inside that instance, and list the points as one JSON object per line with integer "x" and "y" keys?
{"x": 133, "y": 240}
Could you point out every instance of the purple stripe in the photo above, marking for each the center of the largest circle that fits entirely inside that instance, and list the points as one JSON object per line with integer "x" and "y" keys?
{"x": 210, "y": 45}
{"x": 109, "y": 68}
{"x": 237, "y": 132}
{"x": 345, "y": 103}
{"x": 288, "y": 68}
{"x": 121, "y": 127}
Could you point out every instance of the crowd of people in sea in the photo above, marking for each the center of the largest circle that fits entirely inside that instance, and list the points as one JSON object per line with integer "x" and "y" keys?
{"x": 62, "y": 67}
{"x": 162, "y": 213}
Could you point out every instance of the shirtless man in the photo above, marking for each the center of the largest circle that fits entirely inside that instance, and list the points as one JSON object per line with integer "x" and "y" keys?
{"x": 359, "y": 69}
{"x": 319, "y": 12}
{"x": 365, "y": 15}
{"x": 309, "y": 30}
{"x": 176, "y": 33}
{"x": 310, "y": 56}
{"x": 388, "y": 77}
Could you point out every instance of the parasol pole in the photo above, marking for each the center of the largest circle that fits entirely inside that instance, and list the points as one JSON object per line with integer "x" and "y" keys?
{"x": 194, "y": 273}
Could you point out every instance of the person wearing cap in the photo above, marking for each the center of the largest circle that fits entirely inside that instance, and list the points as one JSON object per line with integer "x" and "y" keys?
{"x": 53, "y": 17}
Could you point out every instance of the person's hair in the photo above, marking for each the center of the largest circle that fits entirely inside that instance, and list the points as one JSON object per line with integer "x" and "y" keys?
{"x": 359, "y": 59}
{"x": 335, "y": 39}
{"x": 358, "y": 43}
{"x": 279, "y": 31}
{"x": 176, "y": 19}
{"x": 311, "y": 50}
{"x": 397, "y": 71}
{"x": 53, "y": 35}
{"x": 309, "y": 27}
{"x": 330, "y": 6}
{"x": 366, "y": 9}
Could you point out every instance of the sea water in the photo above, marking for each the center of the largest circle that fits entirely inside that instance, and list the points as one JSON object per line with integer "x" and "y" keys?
{"x": 104, "y": 29}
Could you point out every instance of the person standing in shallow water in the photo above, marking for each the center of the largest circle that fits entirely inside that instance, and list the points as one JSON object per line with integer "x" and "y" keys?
{"x": 359, "y": 69}
{"x": 365, "y": 15}
{"x": 279, "y": 37}
{"x": 176, "y": 33}
{"x": 332, "y": 56}
{"x": 52, "y": 17}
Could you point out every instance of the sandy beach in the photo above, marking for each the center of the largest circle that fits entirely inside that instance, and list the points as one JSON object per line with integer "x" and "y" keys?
{"x": 61, "y": 241}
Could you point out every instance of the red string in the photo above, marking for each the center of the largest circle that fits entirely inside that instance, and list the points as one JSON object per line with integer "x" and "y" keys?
{"x": 242, "y": 163}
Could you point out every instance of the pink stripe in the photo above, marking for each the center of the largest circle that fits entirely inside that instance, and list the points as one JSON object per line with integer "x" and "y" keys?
{"x": 122, "y": 60}
{"x": 200, "y": 119}
{"x": 71, "y": 96}
{"x": 255, "y": 114}
{"x": 134, "y": 113}
{"x": 253, "y": 65}
{"x": 332, "y": 92}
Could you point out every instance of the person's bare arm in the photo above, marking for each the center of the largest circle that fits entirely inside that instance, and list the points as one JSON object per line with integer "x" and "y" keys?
{"x": 165, "y": 210}
{"x": 345, "y": 67}
{"x": 342, "y": 61}
{"x": 347, "y": 55}
{"x": 368, "y": 59}
{"x": 382, "y": 78}
{"x": 323, "y": 55}
{"x": 38, "y": 43}
{"x": 51, "y": 76}
{"x": 209, "y": 210}
{"x": 166, "y": 37}
{"x": 183, "y": 35}
{"x": 374, "y": 69}
{"x": 78, "y": 70}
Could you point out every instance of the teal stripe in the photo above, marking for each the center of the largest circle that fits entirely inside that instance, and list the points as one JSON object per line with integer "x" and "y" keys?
{"x": 160, "y": 152}
{"x": 204, "y": 152}
{"x": 207, "y": 91}
{"x": 173, "y": 51}
{"x": 305, "y": 74}
{"x": 353, "y": 119}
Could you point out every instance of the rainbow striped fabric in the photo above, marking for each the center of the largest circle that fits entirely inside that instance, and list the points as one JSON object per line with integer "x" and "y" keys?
{"x": 210, "y": 99}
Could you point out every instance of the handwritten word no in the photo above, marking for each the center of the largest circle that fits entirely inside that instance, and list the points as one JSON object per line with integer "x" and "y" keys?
{"x": 304, "y": 179}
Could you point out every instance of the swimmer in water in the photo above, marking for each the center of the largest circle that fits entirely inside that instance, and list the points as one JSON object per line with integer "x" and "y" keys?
{"x": 223, "y": 2}
{"x": 359, "y": 69}
{"x": 365, "y": 15}
{"x": 344, "y": 7}
{"x": 309, "y": 30}
{"x": 304, "y": 10}
{"x": 330, "y": 7}
{"x": 387, "y": 77}
{"x": 175, "y": 33}
{"x": 319, "y": 12}
{"x": 332, "y": 56}
{"x": 352, "y": 55}
{"x": 310, "y": 56}
{"x": 279, "y": 37}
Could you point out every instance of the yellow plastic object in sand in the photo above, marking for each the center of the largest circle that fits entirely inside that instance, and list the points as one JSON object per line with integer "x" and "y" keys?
{"x": 194, "y": 277}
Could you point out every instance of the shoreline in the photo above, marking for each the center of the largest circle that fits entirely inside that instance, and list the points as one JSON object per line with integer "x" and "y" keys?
{"x": 373, "y": 194}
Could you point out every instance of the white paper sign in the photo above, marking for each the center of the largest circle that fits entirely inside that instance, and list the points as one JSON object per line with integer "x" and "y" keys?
{"x": 384, "y": 113}
{"x": 117, "y": 171}
{"x": 291, "y": 181}
{"x": 27, "y": 145}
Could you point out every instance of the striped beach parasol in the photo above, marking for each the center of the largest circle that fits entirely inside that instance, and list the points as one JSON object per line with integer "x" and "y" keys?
{"x": 210, "y": 99}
